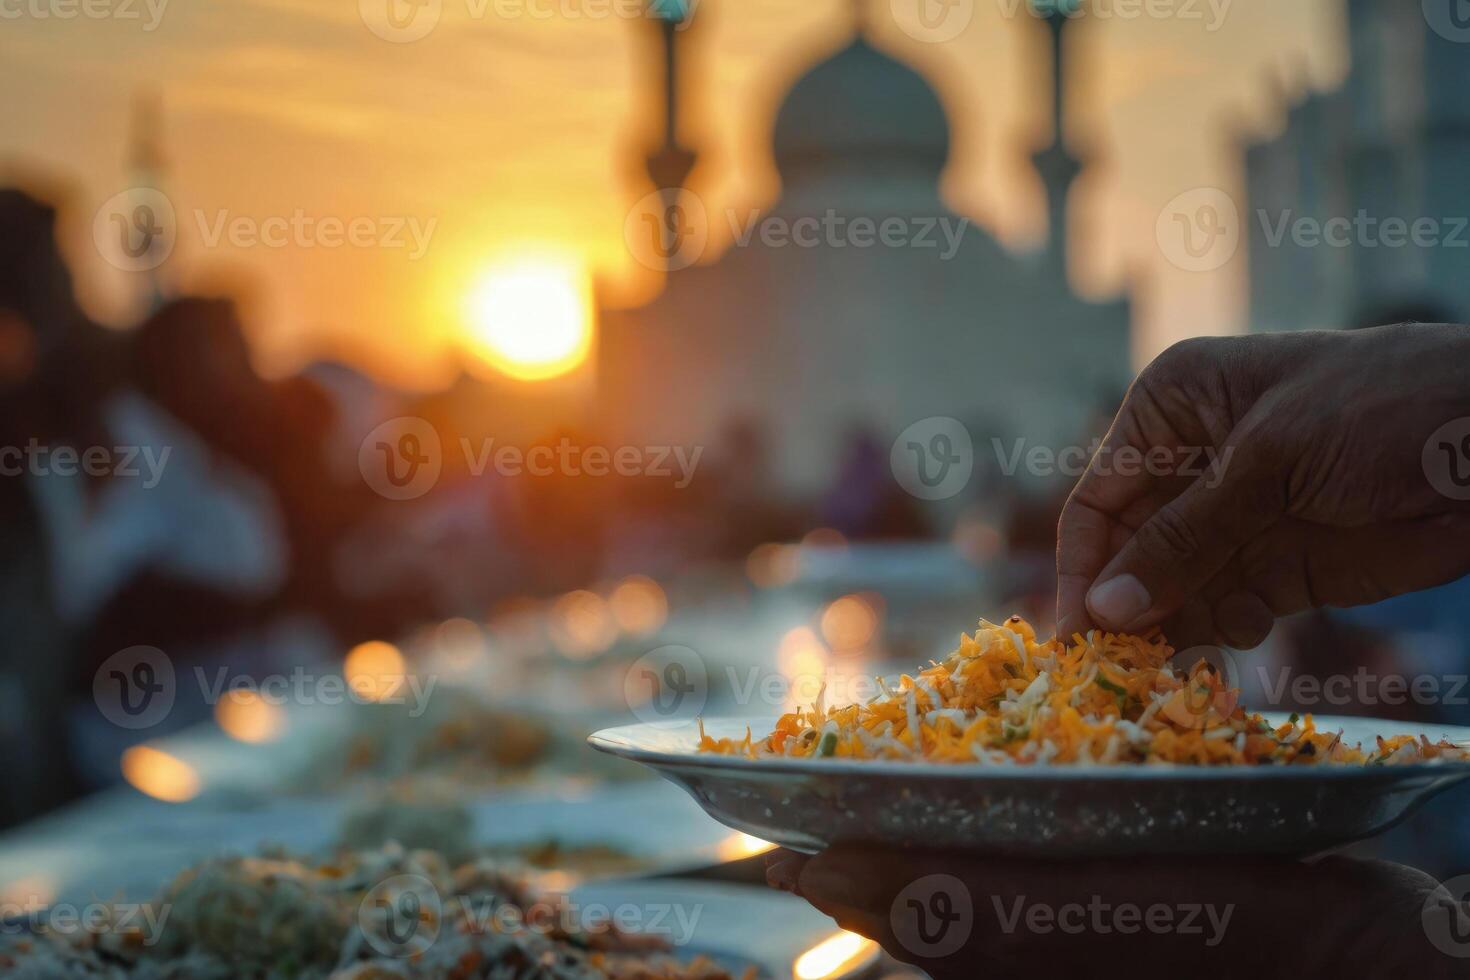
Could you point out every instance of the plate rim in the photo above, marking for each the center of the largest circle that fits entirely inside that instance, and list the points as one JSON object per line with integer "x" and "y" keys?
{"x": 614, "y": 742}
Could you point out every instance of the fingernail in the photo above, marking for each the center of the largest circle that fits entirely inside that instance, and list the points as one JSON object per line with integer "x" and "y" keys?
{"x": 1119, "y": 601}
{"x": 784, "y": 871}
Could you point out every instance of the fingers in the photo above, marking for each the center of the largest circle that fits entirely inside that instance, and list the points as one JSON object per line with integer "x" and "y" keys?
{"x": 1091, "y": 531}
{"x": 1186, "y": 543}
{"x": 783, "y": 869}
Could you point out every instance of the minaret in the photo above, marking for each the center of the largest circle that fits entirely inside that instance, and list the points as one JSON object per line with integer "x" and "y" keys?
{"x": 669, "y": 166}
{"x": 1056, "y": 164}
{"x": 147, "y": 167}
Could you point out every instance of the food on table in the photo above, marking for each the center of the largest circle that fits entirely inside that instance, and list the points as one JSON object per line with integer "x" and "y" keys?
{"x": 582, "y": 860}
{"x": 386, "y": 914}
{"x": 455, "y": 744}
{"x": 448, "y": 826}
{"x": 1003, "y": 698}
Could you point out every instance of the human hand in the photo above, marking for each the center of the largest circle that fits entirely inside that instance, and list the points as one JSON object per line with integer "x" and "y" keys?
{"x": 963, "y": 917}
{"x": 1318, "y": 491}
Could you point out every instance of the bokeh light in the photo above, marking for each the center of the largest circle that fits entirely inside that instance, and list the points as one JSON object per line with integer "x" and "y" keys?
{"x": 849, "y": 623}
{"x": 160, "y": 775}
{"x": 374, "y": 670}
{"x": 639, "y": 605}
{"x": 772, "y": 565}
{"x": 247, "y": 717}
{"x": 833, "y": 956}
{"x": 582, "y": 624}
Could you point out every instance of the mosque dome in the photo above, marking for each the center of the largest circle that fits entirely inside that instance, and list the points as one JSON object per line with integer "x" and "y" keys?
{"x": 861, "y": 109}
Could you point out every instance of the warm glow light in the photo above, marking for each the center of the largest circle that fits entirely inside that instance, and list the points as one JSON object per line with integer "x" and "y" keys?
{"x": 639, "y": 605}
{"x": 824, "y": 537}
{"x": 801, "y": 654}
{"x": 739, "y": 845}
{"x": 246, "y": 717}
{"x": 374, "y": 670}
{"x": 532, "y": 320}
{"x": 976, "y": 539}
{"x": 772, "y": 565}
{"x": 833, "y": 956}
{"x": 159, "y": 774}
{"x": 582, "y": 624}
{"x": 28, "y": 893}
{"x": 849, "y": 623}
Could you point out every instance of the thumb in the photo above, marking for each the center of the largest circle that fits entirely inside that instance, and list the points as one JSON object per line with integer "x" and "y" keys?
{"x": 1182, "y": 545}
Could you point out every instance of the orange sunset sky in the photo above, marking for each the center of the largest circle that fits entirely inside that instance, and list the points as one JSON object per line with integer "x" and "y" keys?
{"x": 521, "y": 135}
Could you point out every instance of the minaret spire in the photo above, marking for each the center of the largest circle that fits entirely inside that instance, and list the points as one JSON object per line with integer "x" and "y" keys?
{"x": 1056, "y": 164}
{"x": 670, "y": 164}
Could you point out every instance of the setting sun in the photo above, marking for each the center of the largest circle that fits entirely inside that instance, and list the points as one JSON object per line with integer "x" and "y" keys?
{"x": 532, "y": 320}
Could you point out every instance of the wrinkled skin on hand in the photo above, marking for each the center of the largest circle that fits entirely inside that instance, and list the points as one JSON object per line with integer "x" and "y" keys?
{"x": 1318, "y": 493}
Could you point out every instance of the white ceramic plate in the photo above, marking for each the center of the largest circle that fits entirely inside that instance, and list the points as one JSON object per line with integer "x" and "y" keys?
{"x": 1054, "y": 811}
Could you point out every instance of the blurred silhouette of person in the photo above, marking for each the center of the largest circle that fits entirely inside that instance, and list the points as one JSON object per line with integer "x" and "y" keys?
{"x": 865, "y": 501}
{"x": 199, "y": 554}
{"x": 56, "y": 368}
{"x": 742, "y": 504}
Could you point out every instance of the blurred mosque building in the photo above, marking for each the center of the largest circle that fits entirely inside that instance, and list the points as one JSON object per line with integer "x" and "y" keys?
{"x": 1392, "y": 143}
{"x": 808, "y": 345}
